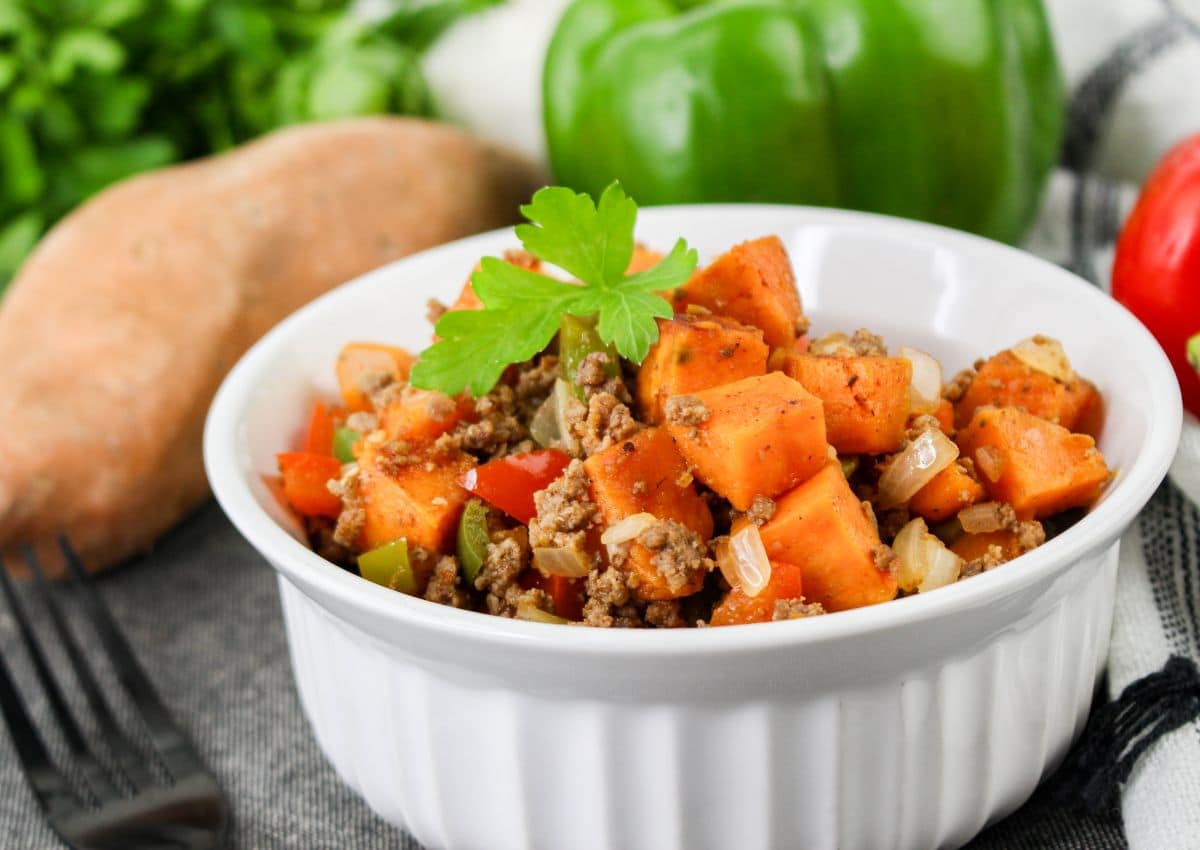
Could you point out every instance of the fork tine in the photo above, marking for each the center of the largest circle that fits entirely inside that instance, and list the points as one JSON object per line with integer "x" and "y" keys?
{"x": 174, "y": 749}
{"x": 50, "y": 786}
{"x": 129, "y": 761}
{"x": 100, "y": 784}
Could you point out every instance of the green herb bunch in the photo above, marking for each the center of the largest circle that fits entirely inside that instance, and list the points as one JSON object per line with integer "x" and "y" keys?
{"x": 92, "y": 91}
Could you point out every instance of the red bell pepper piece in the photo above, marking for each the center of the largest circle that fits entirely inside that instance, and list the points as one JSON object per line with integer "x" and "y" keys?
{"x": 318, "y": 439}
{"x": 306, "y": 477}
{"x": 510, "y": 482}
{"x": 1156, "y": 273}
{"x": 567, "y": 593}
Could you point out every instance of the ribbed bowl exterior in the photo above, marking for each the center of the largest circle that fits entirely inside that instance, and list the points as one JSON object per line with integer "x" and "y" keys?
{"x": 920, "y": 755}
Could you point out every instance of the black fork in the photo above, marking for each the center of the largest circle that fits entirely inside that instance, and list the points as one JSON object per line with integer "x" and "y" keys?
{"x": 109, "y": 793}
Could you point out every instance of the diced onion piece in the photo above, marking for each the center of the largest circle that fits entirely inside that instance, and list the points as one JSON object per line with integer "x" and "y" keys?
{"x": 1045, "y": 355}
{"x": 627, "y": 529}
{"x": 981, "y": 518}
{"x": 528, "y": 611}
{"x": 924, "y": 561}
{"x": 563, "y": 398}
{"x": 925, "y": 390}
{"x": 990, "y": 462}
{"x": 743, "y": 560}
{"x": 544, "y": 427}
{"x": 569, "y": 563}
{"x": 915, "y": 466}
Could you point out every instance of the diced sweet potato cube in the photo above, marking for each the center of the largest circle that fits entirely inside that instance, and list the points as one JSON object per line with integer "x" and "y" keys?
{"x": 971, "y": 547}
{"x": 752, "y": 283}
{"x": 419, "y": 416}
{"x": 761, "y": 437}
{"x": 361, "y": 365}
{"x": 415, "y": 497}
{"x": 866, "y": 399}
{"x": 646, "y": 474}
{"x": 949, "y": 492}
{"x": 1006, "y": 381}
{"x": 643, "y": 259}
{"x": 695, "y": 353}
{"x": 1036, "y": 466}
{"x": 468, "y": 300}
{"x": 822, "y": 528}
{"x": 945, "y": 416}
{"x": 737, "y": 608}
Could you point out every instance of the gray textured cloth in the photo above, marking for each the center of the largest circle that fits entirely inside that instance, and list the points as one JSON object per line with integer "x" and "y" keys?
{"x": 203, "y": 614}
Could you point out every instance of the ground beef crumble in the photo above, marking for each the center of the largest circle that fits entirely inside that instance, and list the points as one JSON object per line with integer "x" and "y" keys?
{"x": 958, "y": 386}
{"x": 796, "y": 609}
{"x": 679, "y": 553}
{"x": 761, "y": 511}
{"x": 507, "y": 555}
{"x": 665, "y": 615}
{"x": 434, "y": 310}
{"x": 444, "y": 584}
{"x": 592, "y": 375}
{"x": 686, "y": 410}
{"x": 609, "y": 600}
{"x": 565, "y": 512}
{"x": 606, "y": 421}
{"x": 885, "y": 559}
{"x": 352, "y": 517}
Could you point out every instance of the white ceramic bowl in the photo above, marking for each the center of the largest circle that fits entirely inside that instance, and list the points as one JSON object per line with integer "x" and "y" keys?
{"x": 908, "y": 724}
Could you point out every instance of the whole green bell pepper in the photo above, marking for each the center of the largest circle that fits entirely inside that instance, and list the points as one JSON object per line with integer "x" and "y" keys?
{"x": 944, "y": 110}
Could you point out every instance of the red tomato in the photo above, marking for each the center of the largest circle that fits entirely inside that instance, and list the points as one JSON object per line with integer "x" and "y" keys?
{"x": 319, "y": 438}
{"x": 510, "y": 482}
{"x": 306, "y": 476}
{"x": 1156, "y": 273}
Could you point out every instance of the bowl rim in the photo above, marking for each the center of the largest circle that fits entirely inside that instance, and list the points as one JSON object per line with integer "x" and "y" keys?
{"x": 225, "y": 462}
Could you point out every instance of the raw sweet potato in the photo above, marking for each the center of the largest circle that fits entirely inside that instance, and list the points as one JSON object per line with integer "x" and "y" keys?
{"x": 822, "y": 528}
{"x": 409, "y": 498}
{"x": 752, "y": 283}
{"x": 946, "y": 494}
{"x": 420, "y": 416}
{"x": 737, "y": 608}
{"x": 116, "y": 333}
{"x": 695, "y": 353}
{"x": 866, "y": 399}
{"x": 1036, "y": 466}
{"x": 1006, "y": 381}
{"x": 361, "y": 364}
{"x": 758, "y": 436}
{"x": 646, "y": 474}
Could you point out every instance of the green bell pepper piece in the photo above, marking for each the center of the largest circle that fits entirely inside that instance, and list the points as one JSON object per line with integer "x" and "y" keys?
{"x": 472, "y": 541}
{"x": 577, "y": 338}
{"x": 343, "y": 444}
{"x": 1193, "y": 352}
{"x": 389, "y": 565}
{"x": 947, "y": 112}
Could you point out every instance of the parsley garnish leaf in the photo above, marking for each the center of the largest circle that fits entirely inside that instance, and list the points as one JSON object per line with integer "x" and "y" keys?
{"x": 522, "y": 309}
{"x": 593, "y": 243}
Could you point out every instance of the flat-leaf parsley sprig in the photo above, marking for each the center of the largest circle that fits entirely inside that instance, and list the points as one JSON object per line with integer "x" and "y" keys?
{"x": 522, "y": 309}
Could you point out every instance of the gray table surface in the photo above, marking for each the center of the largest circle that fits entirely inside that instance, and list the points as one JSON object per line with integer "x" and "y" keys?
{"x": 202, "y": 612}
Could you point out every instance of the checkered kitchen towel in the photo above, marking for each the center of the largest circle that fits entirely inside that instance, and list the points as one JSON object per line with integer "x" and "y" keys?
{"x": 1134, "y": 66}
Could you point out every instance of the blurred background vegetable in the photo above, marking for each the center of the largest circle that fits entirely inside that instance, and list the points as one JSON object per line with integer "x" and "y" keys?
{"x": 92, "y": 91}
{"x": 1156, "y": 272}
{"x": 952, "y": 115}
